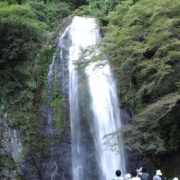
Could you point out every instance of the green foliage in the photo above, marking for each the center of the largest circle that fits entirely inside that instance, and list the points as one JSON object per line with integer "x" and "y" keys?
{"x": 42, "y": 143}
{"x": 142, "y": 50}
{"x": 57, "y": 109}
{"x": 98, "y": 9}
{"x": 8, "y": 160}
{"x": 82, "y": 11}
{"x": 52, "y": 13}
{"x": 46, "y": 58}
{"x": 142, "y": 43}
{"x": 73, "y": 3}
{"x": 131, "y": 138}
{"x": 20, "y": 33}
{"x": 24, "y": 59}
{"x": 161, "y": 118}
{"x": 20, "y": 37}
{"x": 102, "y": 6}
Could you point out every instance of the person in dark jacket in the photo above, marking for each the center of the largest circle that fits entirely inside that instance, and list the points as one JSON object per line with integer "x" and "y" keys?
{"x": 143, "y": 174}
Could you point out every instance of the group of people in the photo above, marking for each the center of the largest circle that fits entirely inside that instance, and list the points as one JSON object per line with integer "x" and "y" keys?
{"x": 139, "y": 174}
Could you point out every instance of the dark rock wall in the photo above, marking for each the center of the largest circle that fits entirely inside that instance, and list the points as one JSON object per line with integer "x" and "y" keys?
{"x": 56, "y": 159}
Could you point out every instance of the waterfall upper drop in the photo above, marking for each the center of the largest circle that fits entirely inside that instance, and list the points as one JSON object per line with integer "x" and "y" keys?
{"x": 94, "y": 108}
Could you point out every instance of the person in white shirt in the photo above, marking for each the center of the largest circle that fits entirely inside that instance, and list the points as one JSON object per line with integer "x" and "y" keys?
{"x": 117, "y": 176}
{"x": 134, "y": 176}
{"x": 158, "y": 175}
{"x": 127, "y": 176}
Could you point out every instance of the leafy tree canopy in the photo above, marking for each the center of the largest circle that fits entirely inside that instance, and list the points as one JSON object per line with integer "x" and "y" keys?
{"x": 26, "y": 35}
{"x": 142, "y": 42}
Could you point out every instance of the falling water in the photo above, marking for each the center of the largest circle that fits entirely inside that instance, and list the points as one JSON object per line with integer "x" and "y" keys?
{"x": 90, "y": 160}
{"x": 50, "y": 128}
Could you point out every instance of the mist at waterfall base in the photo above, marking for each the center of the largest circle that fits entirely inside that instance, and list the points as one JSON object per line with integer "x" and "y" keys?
{"x": 94, "y": 108}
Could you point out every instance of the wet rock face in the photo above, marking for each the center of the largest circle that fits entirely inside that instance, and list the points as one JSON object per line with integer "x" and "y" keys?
{"x": 44, "y": 165}
{"x": 58, "y": 164}
{"x": 55, "y": 161}
{"x": 10, "y": 150}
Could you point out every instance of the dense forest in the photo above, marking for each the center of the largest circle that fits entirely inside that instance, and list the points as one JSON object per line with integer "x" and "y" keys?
{"x": 142, "y": 42}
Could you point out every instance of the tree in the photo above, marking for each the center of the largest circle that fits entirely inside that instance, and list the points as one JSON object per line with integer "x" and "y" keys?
{"x": 142, "y": 43}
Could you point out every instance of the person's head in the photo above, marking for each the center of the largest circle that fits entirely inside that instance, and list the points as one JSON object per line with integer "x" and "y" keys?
{"x": 118, "y": 173}
{"x": 133, "y": 173}
{"x": 158, "y": 173}
{"x": 127, "y": 176}
{"x": 175, "y": 178}
{"x": 143, "y": 169}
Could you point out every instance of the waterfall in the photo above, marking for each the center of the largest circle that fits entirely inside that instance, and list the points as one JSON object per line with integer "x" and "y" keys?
{"x": 106, "y": 117}
{"x": 90, "y": 159}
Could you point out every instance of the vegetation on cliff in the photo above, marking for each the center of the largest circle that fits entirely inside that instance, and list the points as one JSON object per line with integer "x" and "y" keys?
{"x": 27, "y": 32}
{"x": 142, "y": 43}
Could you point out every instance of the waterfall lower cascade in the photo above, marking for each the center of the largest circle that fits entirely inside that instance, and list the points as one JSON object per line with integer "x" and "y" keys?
{"x": 94, "y": 108}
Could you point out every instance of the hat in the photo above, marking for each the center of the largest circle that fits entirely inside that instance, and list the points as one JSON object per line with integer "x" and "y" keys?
{"x": 127, "y": 176}
{"x": 175, "y": 178}
{"x": 159, "y": 173}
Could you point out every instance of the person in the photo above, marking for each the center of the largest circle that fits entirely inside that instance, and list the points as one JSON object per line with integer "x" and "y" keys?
{"x": 143, "y": 174}
{"x": 139, "y": 171}
{"x": 127, "y": 176}
{"x": 134, "y": 175}
{"x": 158, "y": 175}
{"x": 117, "y": 175}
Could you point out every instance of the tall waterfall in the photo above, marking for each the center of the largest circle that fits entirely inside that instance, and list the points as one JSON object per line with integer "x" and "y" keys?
{"x": 90, "y": 159}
